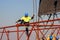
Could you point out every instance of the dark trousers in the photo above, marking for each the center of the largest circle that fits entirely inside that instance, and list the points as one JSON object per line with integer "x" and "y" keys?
{"x": 27, "y": 24}
{"x": 27, "y": 32}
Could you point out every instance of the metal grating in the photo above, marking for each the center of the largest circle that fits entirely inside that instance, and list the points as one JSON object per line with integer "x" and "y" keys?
{"x": 48, "y": 7}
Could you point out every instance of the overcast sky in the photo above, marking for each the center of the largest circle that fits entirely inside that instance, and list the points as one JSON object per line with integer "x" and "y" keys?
{"x": 11, "y": 10}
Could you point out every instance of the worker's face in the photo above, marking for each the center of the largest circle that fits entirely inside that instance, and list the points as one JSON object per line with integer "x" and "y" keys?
{"x": 26, "y": 16}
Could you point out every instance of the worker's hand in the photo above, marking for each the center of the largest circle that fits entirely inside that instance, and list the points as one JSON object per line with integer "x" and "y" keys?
{"x": 16, "y": 22}
{"x": 33, "y": 15}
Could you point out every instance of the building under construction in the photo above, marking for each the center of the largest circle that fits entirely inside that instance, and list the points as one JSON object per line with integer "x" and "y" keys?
{"x": 47, "y": 23}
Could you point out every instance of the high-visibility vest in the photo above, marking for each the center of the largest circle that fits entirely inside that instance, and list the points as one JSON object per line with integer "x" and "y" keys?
{"x": 26, "y": 19}
{"x": 48, "y": 38}
{"x": 54, "y": 38}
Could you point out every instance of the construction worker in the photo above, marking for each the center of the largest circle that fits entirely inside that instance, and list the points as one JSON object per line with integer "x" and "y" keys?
{"x": 48, "y": 37}
{"x": 51, "y": 37}
{"x": 54, "y": 37}
{"x": 25, "y": 20}
{"x": 58, "y": 37}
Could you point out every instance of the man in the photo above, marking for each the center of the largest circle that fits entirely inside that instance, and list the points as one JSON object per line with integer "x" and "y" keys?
{"x": 48, "y": 37}
{"x": 54, "y": 37}
{"x": 58, "y": 37}
{"x": 25, "y": 20}
{"x": 51, "y": 37}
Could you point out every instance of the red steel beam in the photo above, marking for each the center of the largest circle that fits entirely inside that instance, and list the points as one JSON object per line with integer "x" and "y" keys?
{"x": 47, "y": 21}
{"x": 2, "y": 34}
{"x": 17, "y": 33}
{"x": 29, "y": 23}
{"x": 33, "y": 30}
{"x": 7, "y": 34}
{"x": 21, "y": 35}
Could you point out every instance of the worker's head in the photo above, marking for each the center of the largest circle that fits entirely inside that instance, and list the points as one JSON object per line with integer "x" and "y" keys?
{"x": 26, "y": 14}
{"x": 48, "y": 35}
{"x": 54, "y": 35}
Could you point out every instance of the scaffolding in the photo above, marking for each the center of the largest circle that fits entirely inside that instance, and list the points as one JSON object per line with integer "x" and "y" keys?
{"x": 55, "y": 29}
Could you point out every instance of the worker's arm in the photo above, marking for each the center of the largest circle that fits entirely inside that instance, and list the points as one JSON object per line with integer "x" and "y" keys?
{"x": 21, "y": 21}
{"x": 18, "y": 20}
{"x": 32, "y": 16}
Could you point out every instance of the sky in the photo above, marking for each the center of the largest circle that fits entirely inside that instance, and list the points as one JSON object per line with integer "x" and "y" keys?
{"x": 12, "y": 10}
